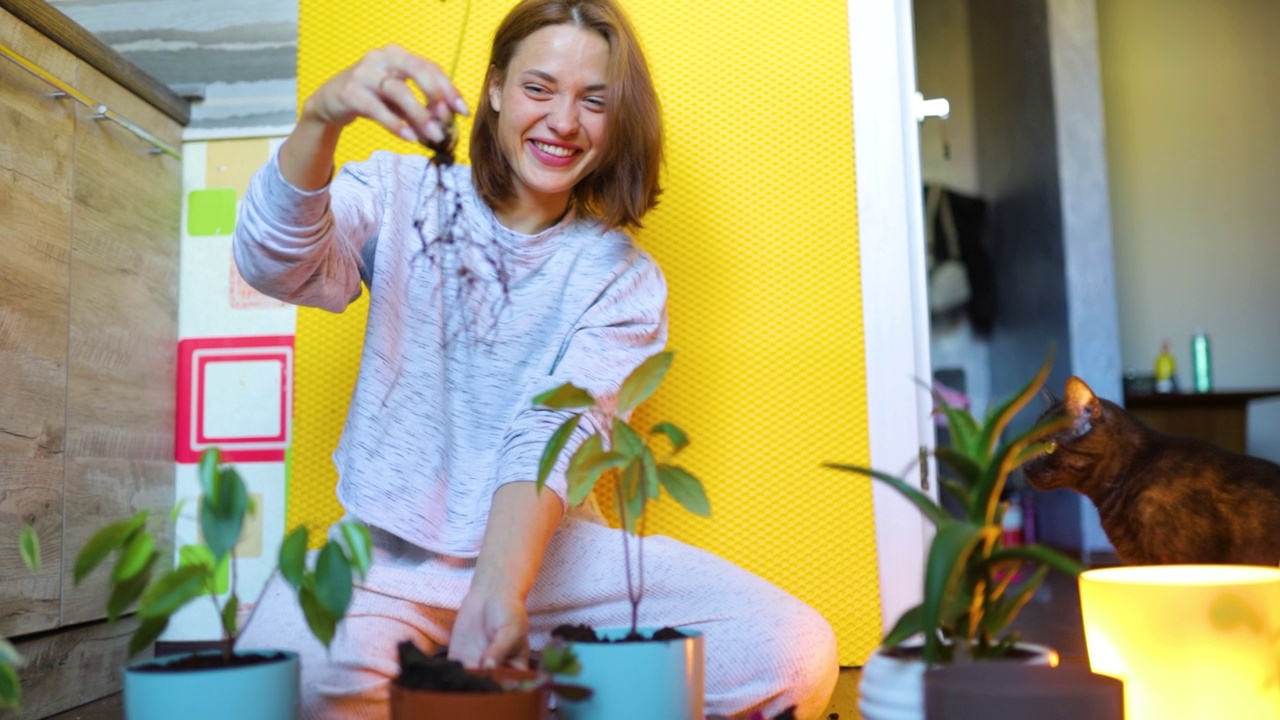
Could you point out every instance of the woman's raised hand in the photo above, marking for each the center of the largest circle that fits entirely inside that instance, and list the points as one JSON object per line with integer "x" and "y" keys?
{"x": 378, "y": 87}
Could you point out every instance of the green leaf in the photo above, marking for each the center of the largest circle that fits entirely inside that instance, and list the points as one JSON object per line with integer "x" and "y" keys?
{"x": 587, "y": 465}
{"x": 558, "y": 659}
{"x": 359, "y": 545}
{"x": 626, "y": 440}
{"x": 631, "y": 485}
{"x": 910, "y": 623}
{"x": 134, "y": 557}
{"x": 1003, "y": 611}
{"x": 957, "y": 491}
{"x": 177, "y": 511}
{"x": 29, "y": 547}
{"x": 147, "y": 633}
{"x": 963, "y": 465}
{"x": 322, "y": 623}
{"x": 293, "y": 556}
{"x": 1037, "y": 554}
{"x": 966, "y": 435}
{"x": 554, "y": 447}
{"x": 679, "y": 440}
{"x": 103, "y": 542}
{"x": 174, "y": 590}
{"x": 985, "y": 496}
{"x": 643, "y": 381}
{"x": 229, "y": 616}
{"x": 948, "y": 556}
{"x": 333, "y": 579}
{"x": 222, "y": 515}
{"x": 219, "y": 571}
{"x": 10, "y": 690}
{"x": 923, "y": 502}
{"x": 210, "y": 459}
{"x": 9, "y": 654}
{"x": 1003, "y": 413}
{"x": 126, "y": 593}
{"x": 649, "y": 472}
{"x": 566, "y": 397}
{"x": 685, "y": 488}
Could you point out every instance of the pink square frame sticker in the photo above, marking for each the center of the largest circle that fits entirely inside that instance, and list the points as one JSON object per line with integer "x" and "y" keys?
{"x": 235, "y": 393}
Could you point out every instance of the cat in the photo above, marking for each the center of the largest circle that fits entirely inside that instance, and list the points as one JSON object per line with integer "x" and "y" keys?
{"x": 1162, "y": 499}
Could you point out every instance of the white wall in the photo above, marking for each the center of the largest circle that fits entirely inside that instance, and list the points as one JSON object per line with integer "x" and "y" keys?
{"x": 1192, "y": 96}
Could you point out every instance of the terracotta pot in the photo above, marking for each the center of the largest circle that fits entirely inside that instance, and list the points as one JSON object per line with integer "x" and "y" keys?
{"x": 511, "y": 705}
{"x": 892, "y": 688}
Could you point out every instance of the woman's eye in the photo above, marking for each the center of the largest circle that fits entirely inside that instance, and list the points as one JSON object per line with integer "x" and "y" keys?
{"x": 595, "y": 103}
{"x": 535, "y": 89}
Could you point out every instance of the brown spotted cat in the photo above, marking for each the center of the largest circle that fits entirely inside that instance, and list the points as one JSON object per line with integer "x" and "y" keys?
{"x": 1162, "y": 499}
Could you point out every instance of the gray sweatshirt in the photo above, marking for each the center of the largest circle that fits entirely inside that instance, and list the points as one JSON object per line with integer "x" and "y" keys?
{"x": 461, "y": 333}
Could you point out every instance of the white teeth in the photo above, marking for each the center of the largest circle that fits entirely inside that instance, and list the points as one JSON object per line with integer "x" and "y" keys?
{"x": 553, "y": 149}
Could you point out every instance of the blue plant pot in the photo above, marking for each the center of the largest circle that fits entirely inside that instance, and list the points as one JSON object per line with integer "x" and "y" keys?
{"x": 638, "y": 680}
{"x": 264, "y": 691}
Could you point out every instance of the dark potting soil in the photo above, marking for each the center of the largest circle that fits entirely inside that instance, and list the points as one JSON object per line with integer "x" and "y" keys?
{"x": 419, "y": 671}
{"x": 587, "y": 634}
{"x": 210, "y": 661}
{"x": 915, "y": 652}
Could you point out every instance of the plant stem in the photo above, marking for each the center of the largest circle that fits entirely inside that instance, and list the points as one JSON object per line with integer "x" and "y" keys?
{"x": 229, "y": 635}
{"x": 257, "y": 601}
{"x": 457, "y": 52}
{"x": 626, "y": 555}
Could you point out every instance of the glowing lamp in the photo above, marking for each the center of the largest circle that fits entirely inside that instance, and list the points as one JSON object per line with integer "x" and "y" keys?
{"x": 1189, "y": 641}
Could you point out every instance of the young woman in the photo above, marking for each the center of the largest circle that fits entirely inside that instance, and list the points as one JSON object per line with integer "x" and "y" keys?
{"x": 488, "y": 285}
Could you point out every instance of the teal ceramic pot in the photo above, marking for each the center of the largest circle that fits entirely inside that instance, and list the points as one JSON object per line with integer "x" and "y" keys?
{"x": 262, "y": 691}
{"x": 638, "y": 680}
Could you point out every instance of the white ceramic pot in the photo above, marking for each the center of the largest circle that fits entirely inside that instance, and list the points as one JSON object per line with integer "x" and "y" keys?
{"x": 638, "y": 680}
{"x": 265, "y": 691}
{"x": 893, "y": 688}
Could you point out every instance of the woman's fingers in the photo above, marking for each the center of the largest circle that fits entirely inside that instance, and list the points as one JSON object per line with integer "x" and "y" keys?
{"x": 509, "y": 645}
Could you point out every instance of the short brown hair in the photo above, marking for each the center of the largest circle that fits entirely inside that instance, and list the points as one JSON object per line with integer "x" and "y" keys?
{"x": 624, "y": 186}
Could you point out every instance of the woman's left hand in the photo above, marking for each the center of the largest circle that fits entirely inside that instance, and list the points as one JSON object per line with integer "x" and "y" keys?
{"x": 492, "y": 629}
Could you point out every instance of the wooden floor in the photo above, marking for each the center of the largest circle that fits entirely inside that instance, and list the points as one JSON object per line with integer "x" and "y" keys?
{"x": 1051, "y": 618}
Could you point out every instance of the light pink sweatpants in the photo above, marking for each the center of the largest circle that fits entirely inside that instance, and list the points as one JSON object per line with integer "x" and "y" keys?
{"x": 765, "y": 649}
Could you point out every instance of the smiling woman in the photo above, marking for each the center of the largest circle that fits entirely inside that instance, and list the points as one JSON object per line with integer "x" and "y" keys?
{"x": 535, "y": 284}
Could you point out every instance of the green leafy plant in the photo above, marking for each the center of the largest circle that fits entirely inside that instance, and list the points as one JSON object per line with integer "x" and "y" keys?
{"x": 10, "y": 659}
{"x": 209, "y": 570}
{"x": 619, "y": 451}
{"x": 971, "y": 592}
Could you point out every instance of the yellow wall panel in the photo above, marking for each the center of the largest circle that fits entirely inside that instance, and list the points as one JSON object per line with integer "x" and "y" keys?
{"x": 757, "y": 233}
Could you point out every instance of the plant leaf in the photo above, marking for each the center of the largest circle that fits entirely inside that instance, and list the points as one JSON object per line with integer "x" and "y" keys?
{"x": 643, "y": 381}
{"x": 229, "y": 616}
{"x": 321, "y": 622}
{"x": 333, "y": 579}
{"x": 104, "y": 541}
{"x": 222, "y": 516}
{"x": 1005, "y": 609}
{"x": 679, "y": 440}
{"x": 962, "y": 465}
{"x": 586, "y": 467}
{"x": 174, "y": 590}
{"x": 29, "y": 547}
{"x": 210, "y": 460}
{"x": 293, "y": 556}
{"x": 909, "y": 624}
{"x": 10, "y": 690}
{"x": 147, "y": 633}
{"x": 572, "y": 693}
{"x": 1037, "y": 554}
{"x": 957, "y": 490}
{"x": 127, "y": 592}
{"x": 965, "y": 432}
{"x": 9, "y": 654}
{"x": 985, "y": 496}
{"x": 359, "y": 545}
{"x": 135, "y": 556}
{"x": 565, "y": 397}
{"x": 948, "y": 556}
{"x": 626, "y": 440}
{"x": 554, "y": 447}
{"x": 649, "y": 470}
{"x": 630, "y": 484}
{"x": 924, "y": 503}
{"x": 559, "y": 659}
{"x": 219, "y": 571}
{"x": 1003, "y": 413}
{"x": 685, "y": 489}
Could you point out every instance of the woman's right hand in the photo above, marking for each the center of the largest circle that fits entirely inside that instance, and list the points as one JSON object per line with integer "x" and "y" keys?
{"x": 378, "y": 87}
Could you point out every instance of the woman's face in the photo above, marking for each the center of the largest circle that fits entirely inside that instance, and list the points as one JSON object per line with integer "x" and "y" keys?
{"x": 551, "y": 109}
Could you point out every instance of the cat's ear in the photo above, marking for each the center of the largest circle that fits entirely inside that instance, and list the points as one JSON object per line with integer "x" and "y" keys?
{"x": 1080, "y": 400}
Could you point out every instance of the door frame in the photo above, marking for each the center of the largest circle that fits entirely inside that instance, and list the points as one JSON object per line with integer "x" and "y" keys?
{"x": 895, "y": 309}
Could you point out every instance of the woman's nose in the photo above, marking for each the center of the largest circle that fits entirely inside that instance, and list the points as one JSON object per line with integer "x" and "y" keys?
{"x": 563, "y": 118}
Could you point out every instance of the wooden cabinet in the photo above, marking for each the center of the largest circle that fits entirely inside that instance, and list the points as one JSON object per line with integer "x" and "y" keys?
{"x": 89, "y": 232}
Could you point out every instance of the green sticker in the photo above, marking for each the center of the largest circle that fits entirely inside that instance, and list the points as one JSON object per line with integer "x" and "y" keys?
{"x": 211, "y": 212}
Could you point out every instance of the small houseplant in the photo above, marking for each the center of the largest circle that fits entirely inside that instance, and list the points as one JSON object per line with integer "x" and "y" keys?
{"x": 629, "y": 669}
{"x": 971, "y": 589}
{"x": 222, "y": 683}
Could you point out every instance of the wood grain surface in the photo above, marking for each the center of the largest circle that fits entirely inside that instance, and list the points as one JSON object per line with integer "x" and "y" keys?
{"x": 73, "y": 667}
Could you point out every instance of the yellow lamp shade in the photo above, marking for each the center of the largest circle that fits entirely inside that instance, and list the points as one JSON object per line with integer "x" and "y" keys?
{"x": 1189, "y": 641}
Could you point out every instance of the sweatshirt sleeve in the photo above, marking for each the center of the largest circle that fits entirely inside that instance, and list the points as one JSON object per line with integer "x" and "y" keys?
{"x": 626, "y": 325}
{"x": 309, "y": 247}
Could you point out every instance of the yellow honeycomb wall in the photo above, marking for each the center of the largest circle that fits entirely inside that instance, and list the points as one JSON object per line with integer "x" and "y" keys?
{"x": 757, "y": 234}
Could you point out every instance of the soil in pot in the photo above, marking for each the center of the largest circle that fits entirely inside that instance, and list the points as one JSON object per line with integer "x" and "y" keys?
{"x": 586, "y": 633}
{"x": 213, "y": 661}
{"x": 435, "y": 686}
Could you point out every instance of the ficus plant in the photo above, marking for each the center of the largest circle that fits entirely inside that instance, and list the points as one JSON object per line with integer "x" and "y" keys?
{"x": 971, "y": 587}
{"x": 10, "y": 659}
{"x": 640, "y": 464}
{"x": 140, "y": 575}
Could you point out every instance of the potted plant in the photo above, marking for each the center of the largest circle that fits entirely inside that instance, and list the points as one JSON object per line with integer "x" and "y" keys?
{"x": 10, "y": 659}
{"x": 433, "y": 686}
{"x": 633, "y": 671}
{"x": 224, "y": 682}
{"x": 972, "y": 590}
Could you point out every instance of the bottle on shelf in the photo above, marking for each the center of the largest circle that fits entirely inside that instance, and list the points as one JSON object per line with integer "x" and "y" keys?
{"x": 1201, "y": 363}
{"x": 1166, "y": 370}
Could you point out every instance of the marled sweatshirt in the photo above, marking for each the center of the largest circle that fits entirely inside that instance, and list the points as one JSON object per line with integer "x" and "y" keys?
{"x": 441, "y": 414}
